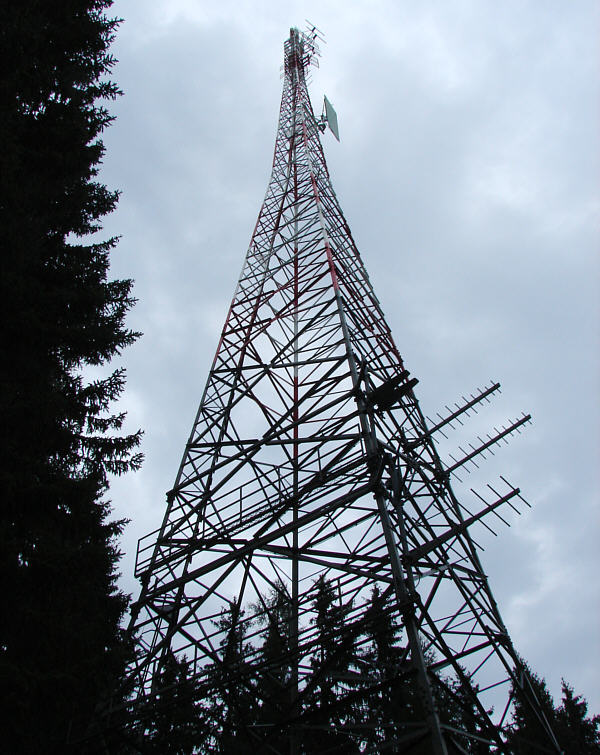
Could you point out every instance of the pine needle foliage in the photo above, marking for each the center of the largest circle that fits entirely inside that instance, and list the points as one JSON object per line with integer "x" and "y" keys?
{"x": 60, "y": 642}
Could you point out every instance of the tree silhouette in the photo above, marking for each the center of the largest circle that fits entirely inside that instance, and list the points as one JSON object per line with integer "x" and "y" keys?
{"x": 175, "y": 722}
{"x": 526, "y": 735}
{"x": 358, "y": 697}
{"x": 578, "y": 733}
{"x": 232, "y": 704}
{"x": 60, "y": 638}
{"x": 330, "y": 707}
{"x": 387, "y": 699}
{"x": 273, "y": 684}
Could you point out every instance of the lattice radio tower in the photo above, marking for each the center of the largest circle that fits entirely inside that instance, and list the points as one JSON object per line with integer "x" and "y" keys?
{"x": 311, "y": 491}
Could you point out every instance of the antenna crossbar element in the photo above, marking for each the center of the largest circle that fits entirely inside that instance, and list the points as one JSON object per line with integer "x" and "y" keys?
{"x": 464, "y": 408}
{"x": 312, "y": 515}
{"x": 312, "y": 30}
{"x": 491, "y": 441}
{"x": 423, "y": 550}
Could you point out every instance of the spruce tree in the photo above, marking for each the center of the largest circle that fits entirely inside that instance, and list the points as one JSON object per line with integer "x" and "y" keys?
{"x": 385, "y": 702}
{"x": 233, "y": 703}
{"x": 578, "y": 733}
{"x": 60, "y": 642}
{"x": 392, "y": 703}
{"x": 526, "y": 735}
{"x": 273, "y": 684}
{"x": 457, "y": 709}
{"x": 175, "y": 723}
{"x": 330, "y": 707}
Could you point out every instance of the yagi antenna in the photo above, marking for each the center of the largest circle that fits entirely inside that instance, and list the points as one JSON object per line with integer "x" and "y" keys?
{"x": 328, "y": 116}
{"x": 314, "y": 30}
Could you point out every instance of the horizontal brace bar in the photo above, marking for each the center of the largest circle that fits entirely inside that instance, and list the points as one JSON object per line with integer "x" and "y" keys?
{"x": 257, "y": 543}
{"x": 317, "y": 440}
{"x": 271, "y": 365}
{"x": 374, "y": 575}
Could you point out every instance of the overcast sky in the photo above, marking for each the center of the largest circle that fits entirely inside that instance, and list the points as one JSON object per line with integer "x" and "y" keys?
{"x": 468, "y": 171}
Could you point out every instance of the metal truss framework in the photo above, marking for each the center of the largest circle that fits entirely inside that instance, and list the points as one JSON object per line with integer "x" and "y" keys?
{"x": 310, "y": 456}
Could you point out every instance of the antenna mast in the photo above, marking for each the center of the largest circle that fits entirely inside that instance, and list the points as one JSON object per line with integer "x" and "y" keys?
{"x": 316, "y": 584}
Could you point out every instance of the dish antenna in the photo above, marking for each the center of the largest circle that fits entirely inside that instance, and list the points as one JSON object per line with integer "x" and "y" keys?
{"x": 329, "y": 118}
